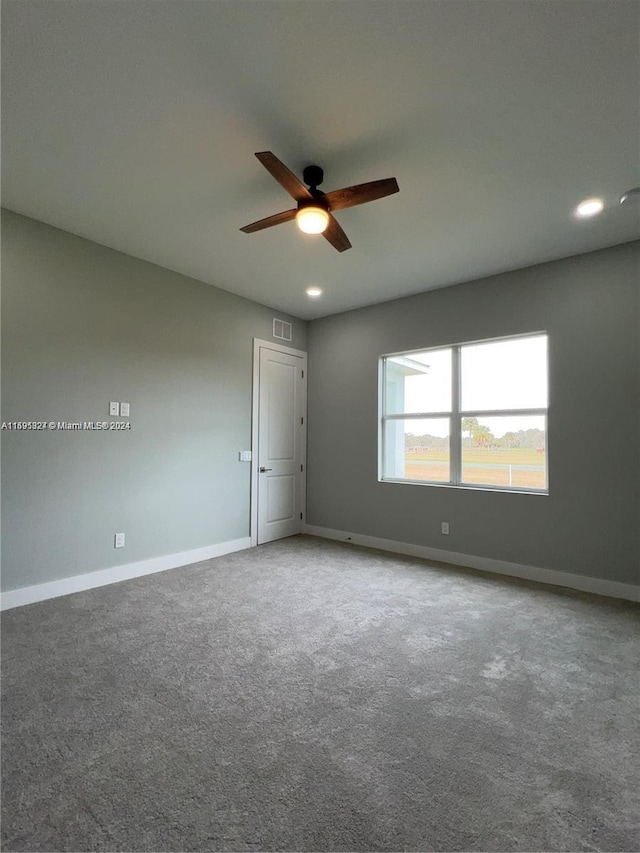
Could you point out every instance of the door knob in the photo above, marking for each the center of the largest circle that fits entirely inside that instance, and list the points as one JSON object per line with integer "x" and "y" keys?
{"x": 262, "y": 470}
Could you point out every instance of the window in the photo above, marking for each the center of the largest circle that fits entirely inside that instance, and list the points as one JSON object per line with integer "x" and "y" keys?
{"x": 468, "y": 415}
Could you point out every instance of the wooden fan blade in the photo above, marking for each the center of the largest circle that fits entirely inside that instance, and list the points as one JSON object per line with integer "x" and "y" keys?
{"x": 361, "y": 193}
{"x": 276, "y": 219}
{"x": 336, "y": 236}
{"x": 283, "y": 176}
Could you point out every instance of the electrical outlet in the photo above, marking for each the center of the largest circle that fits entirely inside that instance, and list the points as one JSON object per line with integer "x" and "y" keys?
{"x": 124, "y": 410}
{"x": 118, "y": 540}
{"x": 114, "y": 409}
{"x": 445, "y": 527}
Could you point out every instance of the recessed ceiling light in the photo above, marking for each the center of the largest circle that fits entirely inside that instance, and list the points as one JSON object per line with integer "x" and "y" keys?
{"x": 589, "y": 207}
{"x": 314, "y": 292}
{"x": 630, "y": 195}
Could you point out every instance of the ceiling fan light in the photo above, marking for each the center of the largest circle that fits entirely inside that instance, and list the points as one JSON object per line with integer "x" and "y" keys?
{"x": 312, "y": 220}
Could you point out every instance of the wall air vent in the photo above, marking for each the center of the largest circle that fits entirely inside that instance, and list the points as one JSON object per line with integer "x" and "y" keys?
{"x": 281, "y": 329}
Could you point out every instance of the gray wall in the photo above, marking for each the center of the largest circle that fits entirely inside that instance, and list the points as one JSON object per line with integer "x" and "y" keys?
{"x": 83, "y": 325}
{"x": 589, "y": 524}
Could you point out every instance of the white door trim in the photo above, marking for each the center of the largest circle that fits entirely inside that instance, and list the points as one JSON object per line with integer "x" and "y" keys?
{"x": 259, "y": 344}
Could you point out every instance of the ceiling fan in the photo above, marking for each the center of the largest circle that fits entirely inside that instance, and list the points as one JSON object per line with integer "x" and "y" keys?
{"x": 314, "y": 213}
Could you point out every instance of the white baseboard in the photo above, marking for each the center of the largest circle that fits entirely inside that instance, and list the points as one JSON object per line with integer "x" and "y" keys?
{"x": 78, "y": 583}
{"x": 599, "y": 586}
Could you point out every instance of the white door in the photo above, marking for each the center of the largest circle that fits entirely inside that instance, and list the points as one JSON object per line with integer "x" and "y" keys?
{"x": 281, "y": 443}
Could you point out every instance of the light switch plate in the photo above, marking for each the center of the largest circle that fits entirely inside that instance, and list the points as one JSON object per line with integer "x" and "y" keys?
{"x": 114, "y": 409}
{"x": 118, "y": 540}
{"x": 244, "y": 456}
{"x": 124, "y": 410}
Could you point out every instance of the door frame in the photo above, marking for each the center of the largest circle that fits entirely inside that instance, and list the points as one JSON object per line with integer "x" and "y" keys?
{"x": 259, "y": 344}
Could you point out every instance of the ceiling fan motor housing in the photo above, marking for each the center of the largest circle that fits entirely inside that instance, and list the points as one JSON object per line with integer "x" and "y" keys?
{"x": 313, "y": 176}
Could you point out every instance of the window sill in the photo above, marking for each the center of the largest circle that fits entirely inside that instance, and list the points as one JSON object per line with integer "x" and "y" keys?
{"x": 511, "y": 490}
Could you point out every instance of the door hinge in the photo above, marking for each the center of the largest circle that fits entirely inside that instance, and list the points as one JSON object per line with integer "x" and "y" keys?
{"x": 302, "y": 467}
{"x": 300, "y": 516}
{"x": 301, "y": 420}
{"x": 303, "y": 374}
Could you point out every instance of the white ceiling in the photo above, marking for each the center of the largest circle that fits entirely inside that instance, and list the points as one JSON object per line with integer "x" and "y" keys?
{"x": 134, "y": 124}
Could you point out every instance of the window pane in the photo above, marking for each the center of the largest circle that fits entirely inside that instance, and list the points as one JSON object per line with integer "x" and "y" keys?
{"x": 505, "y": 374}
{"x": 505, "y": 451}
{"x": 417, "y": 449}
{"x": 420, "y": 382}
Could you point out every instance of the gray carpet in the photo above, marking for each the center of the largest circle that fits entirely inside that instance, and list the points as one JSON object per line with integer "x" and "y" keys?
{"x": 309, "y": 695}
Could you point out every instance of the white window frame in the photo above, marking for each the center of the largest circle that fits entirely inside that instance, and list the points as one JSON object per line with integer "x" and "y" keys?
{"x": 456, "y": 415}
